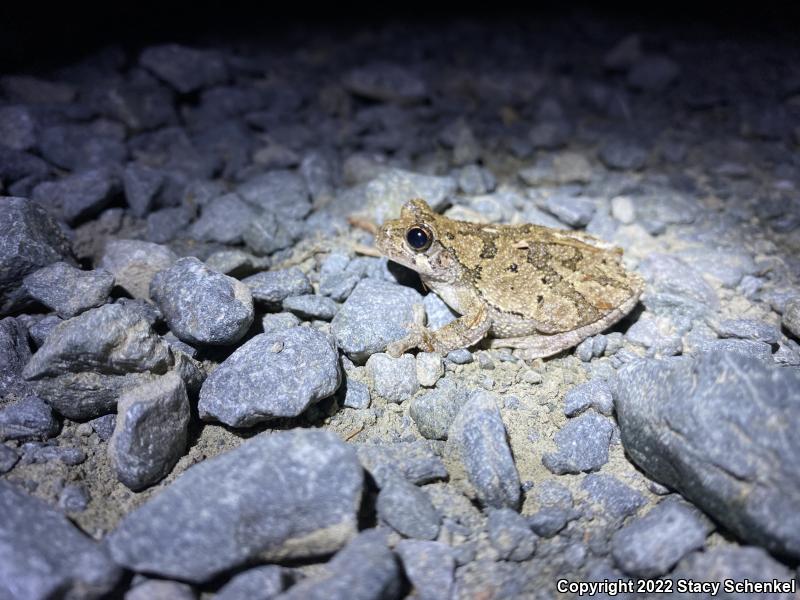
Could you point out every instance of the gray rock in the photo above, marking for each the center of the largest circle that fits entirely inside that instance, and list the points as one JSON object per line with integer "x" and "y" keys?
{"x": 623, "y": 209}
{"x": 29, "y": 239}
{"x": 510, "y": 535}
{"x": 430, "y": 368}
{"x": 375, "y": 314}
{"x": 73, "y": 498}
{"x": 311, "y": 306}
{"x": 223, "y": 220}
{"x": 17, "y": 127}
{"x": 160, "y": 589}
{"x": 413, "y": 461}
{"x": 151, "y": 431}
{"x": 275, "y": 322}
{"x": 623, "y": 155}
{"x": 37, "y": 452}
{"x": 167, "y": 224}
{"x": 111, "y": 339}
{"x": 272, "y": 375}
{"x": 726, "y": 265}
{"x": 758, "y": 350}
{"x": 267, "y": 233}
{"x": 438, "y": 313}
{"x": 434, "y": 411}
{"x": 8, "y": 458}
{"x": 357, "y": 395}
{"x": 338, "y": 285}
{"x": 202, "y": 306}
{"x": 474, "y": 180}
{"x": 186, "y": 69}
{"x": 141, "y": 184}
{"x": 42, "y": 328}
{"x": 585, "y": 350}
{"x": 429, "y": 566}
{"x": 14, "y": 355}
{"x": 134, "y": 263}
{"x": 462, "y": 356}
{"x": 259, "y": 583}
{"x": 594, "y": 393}
{"x": 791, "y": 317}
{"x": 83, "y": 146}
{"x": 67, "y": 290}
{"x": 43, "y": 555}
{"x": 648, "y": 333}
{"x": 236, "y": 263}
{"x": 616, "y": 499}
{"x": 651, "y": 545}
{"x": 733, "y": 563}
{"x": 478, "y": 438}
{"x": 548, "y": 521}
{"x": 706, "y": 428}
{"x": 104, "y": 426}
{"x": 747, "y": 329}
{"x": 385, "y": 82}
{"x": 79, "y": 196}
{"x": 394, "y": 379}
{"x": 296, "y": 494}
{"x": 582, "y": 445}
{"x": 575, "y": 211}
{"x": 273, "y": 287}
{"x": 391, "y": 189}
{"x": 670, "y": 275}
{"x": 282, "y": 193}
{"x": 86, "y": 395}
{"x": 550, "y": 134}
{"x": 26, "y": 419}
{"x": 21, "y": 171}
{"x": 365, "y": 569}
{"x": 407, "y": 509}
{"x": 653, "y": 73}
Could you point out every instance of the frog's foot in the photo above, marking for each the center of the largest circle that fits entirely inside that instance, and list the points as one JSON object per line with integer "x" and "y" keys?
{"x": 418, "y": 336}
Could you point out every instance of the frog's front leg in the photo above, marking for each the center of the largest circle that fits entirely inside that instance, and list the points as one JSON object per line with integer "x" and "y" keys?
{"x": 461, "y": 333}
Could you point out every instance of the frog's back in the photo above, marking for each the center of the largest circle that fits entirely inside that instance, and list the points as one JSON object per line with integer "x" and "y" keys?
{"x": 535, "y": 279}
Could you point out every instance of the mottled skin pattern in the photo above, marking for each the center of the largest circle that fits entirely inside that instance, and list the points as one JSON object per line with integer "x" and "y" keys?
{"x": 529, "y": 287}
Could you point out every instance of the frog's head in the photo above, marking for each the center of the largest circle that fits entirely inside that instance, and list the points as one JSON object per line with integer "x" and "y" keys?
{"x": 413, "y": 241}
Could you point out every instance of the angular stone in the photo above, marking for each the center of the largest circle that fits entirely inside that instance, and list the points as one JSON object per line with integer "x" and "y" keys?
{"x": 389, "y": 191}
{"x": 595, "y": 393}
{"x": 84, "y": 146}
{"x": 186, "y": 69}
{"x": 582, "y": 445}
{"x": 273, "y": 375}
{"x": 151, "y": 431}
{"x": 17, "y": 128}
{"x": 429, "y": 566}
{"x": 430, "y": 368}
{"x": 616, "y": 499}
{"x": 202, "y": 306}
{"x": 111, "y": 339}
{"x": 141, "y": 184}
{"x": 478, "y": 438}
{"x": 311, "y": 306}
{"x": 223, "y": 220}
{"x": 67, "y": 290}
{"x": 651, "y": 545}
{"x": 78, "y": 196}
{"x": 575, "y": 211}
{"x": 357, "y": 395}
{"x": 510, "y": 535}
{"x": 747, "y": 329}
{"x": 791, "y": 317}
{"x": 236, "y": 263}
{"x": 375, "y": 314}
{"x": 14, "y": 355}
{"x": 273, "y": 287}
{"x": 259, "y": 583}
{"x": 284, "y": 495}
{"x": 8, "y": 458}
{"x": 282, "y": 193}
{"x": 43, "y": 555}
{"x": 434, "y": 411}
{"x": 414, "y": 461}
{"x": 266, "y": 233}
{"x": 365, "y": 569}
{"x": 408, "y": 510}
{"x": 274, "y": 322}
{"x": 386, "y": 82}
{"x": 394, "y": 379}
{"x": 27, "y": 419}
{"x": 719, "y": 429}
{"x": 160, "y": 589}
{"x": 29, "y": 239}
{"x": 134, "y": 263}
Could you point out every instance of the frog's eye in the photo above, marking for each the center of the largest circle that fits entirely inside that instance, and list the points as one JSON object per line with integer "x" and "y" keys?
{"x": 419, "y": 238}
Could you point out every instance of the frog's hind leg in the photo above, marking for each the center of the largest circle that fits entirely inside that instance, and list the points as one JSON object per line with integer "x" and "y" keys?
{"x": 541, "y": 346}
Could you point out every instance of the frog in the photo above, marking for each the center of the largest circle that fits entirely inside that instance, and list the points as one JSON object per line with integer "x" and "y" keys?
{"x": 534, "y": 289}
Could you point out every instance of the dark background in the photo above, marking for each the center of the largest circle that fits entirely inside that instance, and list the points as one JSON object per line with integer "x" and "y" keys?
{"x": 34, "y": 36}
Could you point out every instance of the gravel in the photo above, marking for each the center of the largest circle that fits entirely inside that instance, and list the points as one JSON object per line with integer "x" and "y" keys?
{"x": 133, "y": 264}
{"x": 595, "y": 394}
{"x": 407, "y": 509}
{"x": 27, "y": 419}
{"x": 67, "y": 290}
{"x": 273, "y": 287}
{"x": 298, "y": 367}
{"x": 309, "y": 481}
{"x": 394, "y": 379}
{"x": 429, "y": 566}
{"x": 510, "y": 535}
{"x": 202, "y": 306}
{"x": 582, "y": 445}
